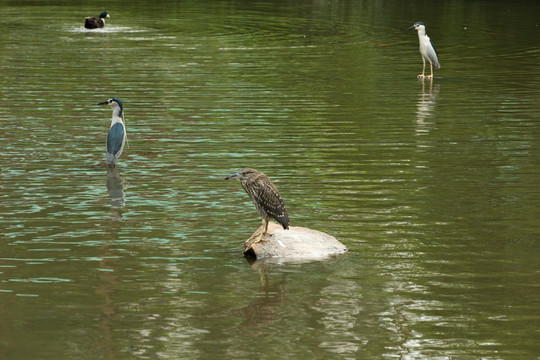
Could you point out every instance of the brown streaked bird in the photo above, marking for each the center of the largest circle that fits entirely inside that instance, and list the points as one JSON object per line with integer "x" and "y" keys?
{"x": 96, "y": 22}
{"x": 265, "y": 197}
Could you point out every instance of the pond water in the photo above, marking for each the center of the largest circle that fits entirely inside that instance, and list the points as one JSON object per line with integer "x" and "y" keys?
{"x": 432, "y": 185}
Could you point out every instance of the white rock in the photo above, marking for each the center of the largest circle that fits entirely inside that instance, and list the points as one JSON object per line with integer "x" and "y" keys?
{"x": 296, "y": 244}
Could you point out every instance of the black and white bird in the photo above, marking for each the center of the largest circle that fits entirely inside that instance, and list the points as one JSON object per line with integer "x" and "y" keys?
{"x": 265, "y": 197}
{"x": 427, "y": 50}
{"x": 116, "y": 139}
{"x": 96, "y": 22}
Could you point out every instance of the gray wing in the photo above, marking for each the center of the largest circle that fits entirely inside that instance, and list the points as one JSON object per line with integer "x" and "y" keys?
{"x": 433, "y": 55}
{"x": 273, "y": 205}
{"x": 115, "y": 142}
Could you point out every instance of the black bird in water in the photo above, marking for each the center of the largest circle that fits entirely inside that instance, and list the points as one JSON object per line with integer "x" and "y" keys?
{"x": 96, "y": 22}
{"x": 265, "y": 197}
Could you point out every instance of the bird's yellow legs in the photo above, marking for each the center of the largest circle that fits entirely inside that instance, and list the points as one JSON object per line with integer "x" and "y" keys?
{"x": 422, "y": 76}
{"x": 430, "y": 76}
{"x": 264, "y": 230}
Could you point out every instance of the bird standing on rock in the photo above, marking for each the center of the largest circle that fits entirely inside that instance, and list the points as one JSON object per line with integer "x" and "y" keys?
{"x": 265, "y": 197}
{"x": 427, "y": 50}
{"x": 116, "y": 139}
{"x": 96, "y": 22}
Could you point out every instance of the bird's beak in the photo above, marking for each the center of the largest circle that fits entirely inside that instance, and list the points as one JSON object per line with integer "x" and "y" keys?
{"x": 104, "y": 103}
{"x": 232, "y": 176}
{"x": 412, "y": 27}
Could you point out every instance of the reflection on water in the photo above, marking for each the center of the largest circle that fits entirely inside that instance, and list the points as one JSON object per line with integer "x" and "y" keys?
{"x": 263, "y": 309}
{"x": 427, "y": 100}
{"x": 432, "y": 185}
{"x": 115, "y": 186}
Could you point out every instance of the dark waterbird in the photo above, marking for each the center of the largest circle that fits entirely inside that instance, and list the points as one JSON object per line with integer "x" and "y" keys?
{"x": 265, "y": 197}
{"x": 116, "y": 139}
{"x": 96, "y": 22}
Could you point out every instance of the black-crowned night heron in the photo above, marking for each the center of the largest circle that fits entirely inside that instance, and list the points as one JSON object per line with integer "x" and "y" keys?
{"x": 265, "y": 197}
{"x": 427, "y": 49}
{"x": 116, "y": 139}
{"x": 96, "y": 22}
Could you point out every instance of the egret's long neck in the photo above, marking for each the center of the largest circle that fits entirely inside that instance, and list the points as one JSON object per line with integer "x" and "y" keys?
{"x": 116, "y": 115}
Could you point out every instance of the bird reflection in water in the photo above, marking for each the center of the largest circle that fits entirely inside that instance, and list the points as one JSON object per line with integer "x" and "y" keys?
{"x": 115, "y": 186}
{"x": 262, "y": 311}
{"x": 427, "y": 99}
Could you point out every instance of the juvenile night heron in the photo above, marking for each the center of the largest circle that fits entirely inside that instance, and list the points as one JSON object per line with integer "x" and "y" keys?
{"x": 96, "y": 22}
{"x": 265, "y": 197}
{"x": 116, "y": 139}
{"x": 427, "y": 50}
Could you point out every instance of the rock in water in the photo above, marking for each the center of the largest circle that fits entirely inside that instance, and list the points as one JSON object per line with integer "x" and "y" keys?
{"x": 295, "y": 244}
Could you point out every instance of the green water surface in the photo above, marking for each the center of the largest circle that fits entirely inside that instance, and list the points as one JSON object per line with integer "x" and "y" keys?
{"x": 432, "y": 185}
